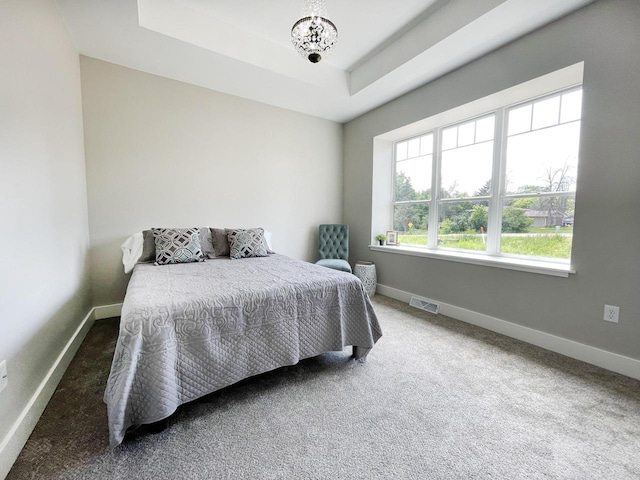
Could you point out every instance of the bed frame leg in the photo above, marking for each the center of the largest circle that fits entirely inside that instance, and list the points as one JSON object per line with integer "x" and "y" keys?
{"x": 158, "y": 427}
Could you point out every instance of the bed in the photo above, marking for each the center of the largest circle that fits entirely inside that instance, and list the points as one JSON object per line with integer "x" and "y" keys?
{"x": 190, "y": 329}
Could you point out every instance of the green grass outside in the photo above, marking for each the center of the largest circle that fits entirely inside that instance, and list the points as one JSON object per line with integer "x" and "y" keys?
{"x": 541, "y": 245}
{"x": 549, "y": 230}
{"x": 554, "y": 246}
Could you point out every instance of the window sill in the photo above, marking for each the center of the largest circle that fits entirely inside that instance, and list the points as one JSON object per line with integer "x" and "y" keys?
{"x": 509, "y": 263}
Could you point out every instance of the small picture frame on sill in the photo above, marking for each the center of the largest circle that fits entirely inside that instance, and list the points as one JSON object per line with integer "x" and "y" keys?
{"x": 392, "y": 237}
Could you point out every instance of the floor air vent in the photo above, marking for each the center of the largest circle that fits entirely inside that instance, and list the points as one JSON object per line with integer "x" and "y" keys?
{"x": 425, "y": 305}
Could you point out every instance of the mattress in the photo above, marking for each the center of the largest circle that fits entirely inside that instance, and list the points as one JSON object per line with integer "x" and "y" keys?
{"x": 190, "y": 329}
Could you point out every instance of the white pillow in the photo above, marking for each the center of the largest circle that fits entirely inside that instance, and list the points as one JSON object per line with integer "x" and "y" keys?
{"x": 132, "y": 251}
{"x": 267, "y": 241}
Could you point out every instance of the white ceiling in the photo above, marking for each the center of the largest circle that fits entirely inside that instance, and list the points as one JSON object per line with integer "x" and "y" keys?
{"x": 242, "y": 47}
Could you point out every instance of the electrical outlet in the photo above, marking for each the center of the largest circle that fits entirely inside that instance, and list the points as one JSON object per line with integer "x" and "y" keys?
{"x": 4, "y": 378}
{"x": 611, "y": 313}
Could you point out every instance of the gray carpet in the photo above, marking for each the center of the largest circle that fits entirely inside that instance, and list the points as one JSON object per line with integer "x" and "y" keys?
{"x": 437, "y": 398}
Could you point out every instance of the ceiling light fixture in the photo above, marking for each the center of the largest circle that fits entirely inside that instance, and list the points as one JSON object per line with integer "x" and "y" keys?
{"x": 314, "y": 34}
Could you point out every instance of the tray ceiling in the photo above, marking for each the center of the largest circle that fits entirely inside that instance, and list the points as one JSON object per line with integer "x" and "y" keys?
{"x": 243, "y": 48}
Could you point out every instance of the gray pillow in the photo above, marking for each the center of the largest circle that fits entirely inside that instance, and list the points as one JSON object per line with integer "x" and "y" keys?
{"x": 177, "y": 245}
{"x": 206, "y": 242}
{"x": 220, "y": 242}
{"x": 149, "y": 245}
{"x": 245, "y": 243}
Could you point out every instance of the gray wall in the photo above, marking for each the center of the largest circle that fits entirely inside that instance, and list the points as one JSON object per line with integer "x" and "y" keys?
{"x": 44, "y": 286}
{"x": 606, "y": 36}
{"x": 164, "y": 153}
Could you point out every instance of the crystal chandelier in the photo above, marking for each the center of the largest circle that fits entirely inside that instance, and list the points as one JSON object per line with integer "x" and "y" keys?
{"x": 314, "y": 34}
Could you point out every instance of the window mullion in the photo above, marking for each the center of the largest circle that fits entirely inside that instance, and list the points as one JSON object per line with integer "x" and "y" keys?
{"x": 394, "y": 174}
{"x": 494, "y": 227}
{"x": 432, "y": 234}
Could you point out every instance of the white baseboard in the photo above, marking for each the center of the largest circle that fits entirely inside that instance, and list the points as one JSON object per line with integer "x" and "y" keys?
{"x": 595, "y": 356}
{"x": 14, "y": 441}
{"x": 107, "y": 311}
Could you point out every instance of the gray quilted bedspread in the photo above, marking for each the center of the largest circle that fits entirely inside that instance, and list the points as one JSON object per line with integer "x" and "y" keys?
{"x": 189, "y": 329}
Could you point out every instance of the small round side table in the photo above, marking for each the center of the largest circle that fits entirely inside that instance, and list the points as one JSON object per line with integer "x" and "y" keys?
{"x": 366, "y": 272}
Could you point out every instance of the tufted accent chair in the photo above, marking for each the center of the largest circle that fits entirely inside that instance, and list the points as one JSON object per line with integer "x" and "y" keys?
{"x": 333, "y": 247}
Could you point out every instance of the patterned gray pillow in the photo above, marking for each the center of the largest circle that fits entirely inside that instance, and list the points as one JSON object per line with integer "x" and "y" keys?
{"x": 177, "y": 245}
{"x": 149, "y": 245}
{"x": 246, "y": 243}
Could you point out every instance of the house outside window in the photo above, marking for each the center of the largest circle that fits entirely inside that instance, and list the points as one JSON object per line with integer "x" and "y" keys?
{"x": 500, "y": 184}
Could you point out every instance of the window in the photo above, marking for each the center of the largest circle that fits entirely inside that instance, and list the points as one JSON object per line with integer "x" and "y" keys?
{"x": 502, "y": 183}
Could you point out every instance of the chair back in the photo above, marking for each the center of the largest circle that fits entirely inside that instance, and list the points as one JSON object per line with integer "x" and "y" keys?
{"x": 333, "y": 242}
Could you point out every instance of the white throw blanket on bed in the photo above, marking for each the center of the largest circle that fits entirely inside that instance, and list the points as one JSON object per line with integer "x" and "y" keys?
{"x": 132, "y": 251}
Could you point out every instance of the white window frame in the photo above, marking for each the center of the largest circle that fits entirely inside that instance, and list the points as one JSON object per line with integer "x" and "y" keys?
{"x": 562, "y": 82}
{"x": 498, "y": 178}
